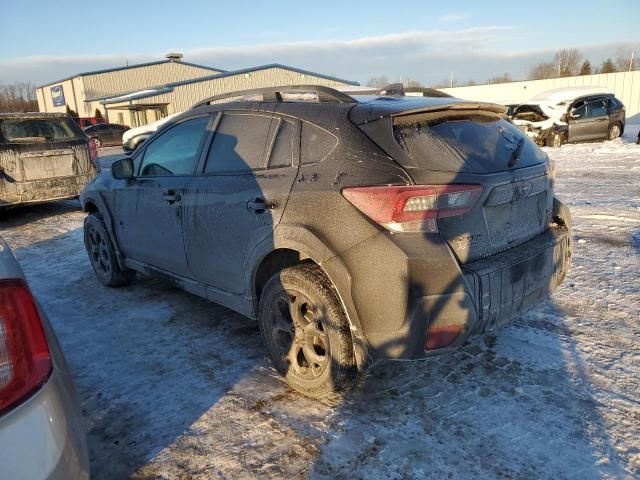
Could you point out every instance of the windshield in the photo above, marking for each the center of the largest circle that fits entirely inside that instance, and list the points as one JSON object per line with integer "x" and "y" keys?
{"x": 38, "y": 130}
{"x": 479, "y": 143}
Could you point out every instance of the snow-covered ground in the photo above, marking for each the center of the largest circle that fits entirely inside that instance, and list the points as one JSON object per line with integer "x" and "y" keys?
{"x": 173, "y": 386}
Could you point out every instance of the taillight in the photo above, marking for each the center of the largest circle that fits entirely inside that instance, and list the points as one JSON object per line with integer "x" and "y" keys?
{"x": 438, "y": 337}
{"x": 93, "y": 151}
{"x": 413, "y": 208}
{"x": 25, "y": 362}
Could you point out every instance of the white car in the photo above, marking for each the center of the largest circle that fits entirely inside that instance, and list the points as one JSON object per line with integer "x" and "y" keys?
{"x": 134, "y": 137}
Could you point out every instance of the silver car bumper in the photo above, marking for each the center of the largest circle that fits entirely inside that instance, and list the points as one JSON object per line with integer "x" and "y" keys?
{"x": 44, "y": 438}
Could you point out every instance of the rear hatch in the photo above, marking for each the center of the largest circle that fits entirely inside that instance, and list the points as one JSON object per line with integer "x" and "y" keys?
{"x": 35, "y": 148}
{"x": 467, "y": 143}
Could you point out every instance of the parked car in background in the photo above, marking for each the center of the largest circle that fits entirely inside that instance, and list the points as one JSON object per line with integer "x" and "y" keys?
{"x": 134, "y": 137}
{"x": 570, "y": 115}
{"x": 43, "y": 157}
{"x": 88, "y": 121}
{"x": 104, "y": 134}
{"x": 353, "y": 228}
{"x": 41, "y": 427}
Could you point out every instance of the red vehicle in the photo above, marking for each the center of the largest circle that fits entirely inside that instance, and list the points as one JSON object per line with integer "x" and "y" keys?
{"x": 88, "y": 121}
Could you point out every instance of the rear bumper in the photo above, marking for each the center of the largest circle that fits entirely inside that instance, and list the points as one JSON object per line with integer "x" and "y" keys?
{"x": 44, "y": 438}
{"x": 404, "y": 286}
{"x": 38, "y": 191}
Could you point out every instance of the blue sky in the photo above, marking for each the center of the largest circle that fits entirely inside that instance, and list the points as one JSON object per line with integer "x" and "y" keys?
{"x": 351, "y": 39}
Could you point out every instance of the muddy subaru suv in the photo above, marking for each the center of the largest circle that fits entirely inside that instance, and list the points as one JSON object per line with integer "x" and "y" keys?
{"x": 353, "y": 228}
{"x": 43, "y": 157}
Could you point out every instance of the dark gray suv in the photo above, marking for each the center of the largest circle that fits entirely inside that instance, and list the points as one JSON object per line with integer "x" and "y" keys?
{"x": 351, "y": 228}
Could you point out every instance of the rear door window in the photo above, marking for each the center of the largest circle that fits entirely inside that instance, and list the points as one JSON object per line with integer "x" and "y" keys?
{"x": 176, "y": 151}
{"x": 25, "y": 130}
{"x": 598, "y": 108}
{"x": 282, "y": 153}
{"x": 241, "y": 144}
{"x": 316, "y": 143}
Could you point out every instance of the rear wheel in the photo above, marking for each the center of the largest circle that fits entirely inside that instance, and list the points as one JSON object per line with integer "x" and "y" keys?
{"x": 98, "y": 142}
{"x": 102, "y": 254}
{"x": 306, "y": 332}
{"x": 614, "y": 131}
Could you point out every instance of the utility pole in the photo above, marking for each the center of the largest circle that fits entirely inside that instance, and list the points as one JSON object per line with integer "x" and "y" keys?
{"x": 451, "y": 80}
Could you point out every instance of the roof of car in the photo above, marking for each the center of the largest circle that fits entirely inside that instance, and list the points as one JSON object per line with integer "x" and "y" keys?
{"x": 33, "y": 115}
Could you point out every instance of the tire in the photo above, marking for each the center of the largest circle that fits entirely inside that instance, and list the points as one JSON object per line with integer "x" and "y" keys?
{"x": 556, "y": 140}
{"x": 102, "y": 255}
{"x": 98, "y": 142}
{"x": 306, "y": 332}
{"x": 614, "y": 131}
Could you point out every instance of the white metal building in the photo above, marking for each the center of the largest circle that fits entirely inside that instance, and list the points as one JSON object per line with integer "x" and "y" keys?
{"x": 140, "y": 94}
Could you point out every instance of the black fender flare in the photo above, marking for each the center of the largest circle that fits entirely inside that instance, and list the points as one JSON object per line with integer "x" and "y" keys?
{"x": 311, "y": 246}
{"x": 107, "y": 218}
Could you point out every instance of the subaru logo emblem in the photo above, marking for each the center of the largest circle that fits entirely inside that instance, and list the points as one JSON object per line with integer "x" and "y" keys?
{"x": 525, "y": 189}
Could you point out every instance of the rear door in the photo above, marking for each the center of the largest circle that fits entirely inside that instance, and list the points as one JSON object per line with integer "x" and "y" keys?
{"x": 598, "y": 115}
{"x": 149, "y": 212}
{"x": 237, "y": 201}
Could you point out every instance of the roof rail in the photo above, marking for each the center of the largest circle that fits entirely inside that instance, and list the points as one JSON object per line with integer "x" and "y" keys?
{"x": 275, "y": 94}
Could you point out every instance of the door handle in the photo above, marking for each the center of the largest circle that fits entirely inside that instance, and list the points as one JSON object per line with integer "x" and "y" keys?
{"x": 170, "y": 196}
{"x": 259, "y": 206}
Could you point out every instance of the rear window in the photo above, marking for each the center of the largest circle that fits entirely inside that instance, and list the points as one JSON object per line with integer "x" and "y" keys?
{"x": 26, "y": 130}
{"x": 465, "y": 142}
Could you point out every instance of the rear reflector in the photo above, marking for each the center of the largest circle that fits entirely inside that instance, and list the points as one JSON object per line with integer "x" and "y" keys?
{"x": 438, "y": 337}
{"x": 25, "y": 362}
{"x": 412, "y": 208}
{"x": 93, "y": 152}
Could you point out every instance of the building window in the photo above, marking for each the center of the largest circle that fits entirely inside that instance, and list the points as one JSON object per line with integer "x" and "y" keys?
{"x": 134, "y": 120}
{"x": 121, "y": 118}
{"x": 143, "y": 117}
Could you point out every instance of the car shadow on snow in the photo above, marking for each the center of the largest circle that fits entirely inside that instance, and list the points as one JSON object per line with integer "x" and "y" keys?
{"x": 148, "y": 359}
{"x": 172, "y": 384}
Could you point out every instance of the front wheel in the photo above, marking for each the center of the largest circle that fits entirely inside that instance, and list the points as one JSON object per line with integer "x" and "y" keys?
{"x": 102, "y": 255}
{"x": 614, "y": 131}
{"x": 306, "y": 331}
{"x": 556, "y": 140}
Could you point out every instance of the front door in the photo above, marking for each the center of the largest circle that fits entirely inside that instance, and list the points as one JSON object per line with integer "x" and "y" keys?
{"x": 149, "y": 212}
{"x": 249, "y": 170}
{"x": 589, "y": 120}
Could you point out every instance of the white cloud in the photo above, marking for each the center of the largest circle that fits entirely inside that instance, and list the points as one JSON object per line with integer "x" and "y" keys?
{"x": 476, "y": 53}
{"x": 453, "y": 17}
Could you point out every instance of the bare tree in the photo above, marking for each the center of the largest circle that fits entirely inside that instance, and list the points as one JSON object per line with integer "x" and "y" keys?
{"x": 504, "y": 78}
{"x": 413, "y": 84}
{"x": 568, "y": 62}
{"x": 378, "y": 82}
{"x": 542, "y": 70}
{"x": 18, "y": 97}
{"x": 625, "y": 60}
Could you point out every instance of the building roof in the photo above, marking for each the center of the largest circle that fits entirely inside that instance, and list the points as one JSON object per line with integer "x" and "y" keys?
{"x": 169, "y": 86}
{"x": 126, "y": 67}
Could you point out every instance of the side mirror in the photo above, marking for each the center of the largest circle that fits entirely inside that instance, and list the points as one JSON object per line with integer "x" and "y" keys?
{"x": 574, "y": 115}
{"x": 122, "y": 169}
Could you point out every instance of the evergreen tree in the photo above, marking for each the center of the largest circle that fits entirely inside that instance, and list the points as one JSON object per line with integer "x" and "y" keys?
{"x": 98, "y": 113}
{"x": 608, "y": 66}
{"x": 586, "y": 68}
{"x": 72, "y": 113}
